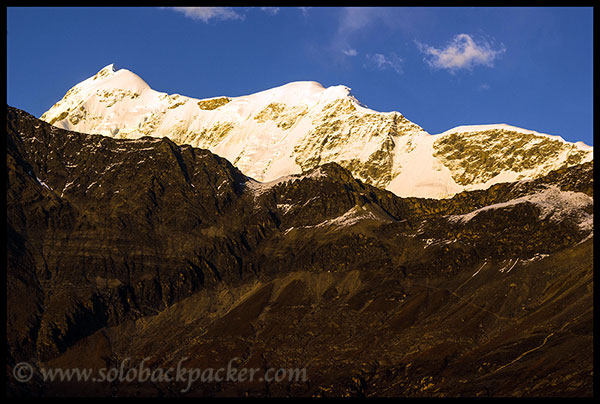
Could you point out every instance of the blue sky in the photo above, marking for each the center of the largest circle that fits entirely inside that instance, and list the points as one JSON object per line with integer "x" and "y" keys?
{"x": 439, "y": 67}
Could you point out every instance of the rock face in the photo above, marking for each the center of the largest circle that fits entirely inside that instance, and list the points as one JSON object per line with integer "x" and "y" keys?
{"x": 296, "y": 127}
{"x": 144, "y": 248}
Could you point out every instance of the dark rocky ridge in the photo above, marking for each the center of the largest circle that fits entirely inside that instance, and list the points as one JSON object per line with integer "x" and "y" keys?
{"x": 113, "y": 241}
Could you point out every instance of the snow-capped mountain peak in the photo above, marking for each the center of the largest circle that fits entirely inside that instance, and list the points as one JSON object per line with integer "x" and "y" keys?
{"x": 294, "y": 127}
{"x": 510, "y": 128}
{"x": 109, "y": 78}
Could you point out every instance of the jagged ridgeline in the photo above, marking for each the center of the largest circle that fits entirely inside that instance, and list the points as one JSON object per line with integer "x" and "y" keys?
{"x": 298, "y": 126}
{"x": 138, "y": 248}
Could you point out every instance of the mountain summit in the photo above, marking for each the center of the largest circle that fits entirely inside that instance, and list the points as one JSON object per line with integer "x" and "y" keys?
{"x": 295, "y": 127}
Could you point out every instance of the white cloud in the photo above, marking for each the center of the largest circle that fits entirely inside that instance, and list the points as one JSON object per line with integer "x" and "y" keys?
{"x": 383, "y": 62}
{"x": 304, "y": 10}
{"x": 270, "y": 10}
{"x": 355, "y": 18}
{"x": 207, "y": 13}
{"x": 351, "y": 21}
{"x": 350, "y": 52}
{"x": 218, "y": 13}
{"x": 461, "y": 53}
{"x": 483, "y": 87}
